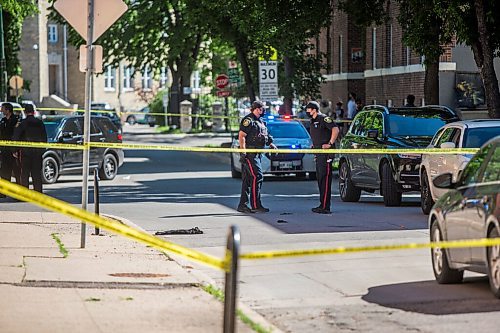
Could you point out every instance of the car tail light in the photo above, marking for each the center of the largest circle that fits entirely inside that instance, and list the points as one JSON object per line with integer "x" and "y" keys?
{"x": 120, "y": 137}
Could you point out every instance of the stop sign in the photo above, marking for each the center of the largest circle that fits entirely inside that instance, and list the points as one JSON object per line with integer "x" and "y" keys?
{"x": 221, "y": 81}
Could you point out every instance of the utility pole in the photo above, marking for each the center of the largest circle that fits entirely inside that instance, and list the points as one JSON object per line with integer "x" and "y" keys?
{"x": 3, "y": 67}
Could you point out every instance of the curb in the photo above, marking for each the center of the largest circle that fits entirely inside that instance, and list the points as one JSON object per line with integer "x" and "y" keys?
{"x": 205, "y": 280}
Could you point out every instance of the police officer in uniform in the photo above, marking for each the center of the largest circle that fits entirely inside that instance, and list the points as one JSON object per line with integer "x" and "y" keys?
{"x": 31, "y": 129}
{"x": 7, "y": 126}
{"x": 324, "y": 132}
{"x": 253, "y": 134}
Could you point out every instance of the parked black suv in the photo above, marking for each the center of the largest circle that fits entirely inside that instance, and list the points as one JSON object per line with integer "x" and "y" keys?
{"x": 69, "y": 129}
{"x": 379, "y": 127}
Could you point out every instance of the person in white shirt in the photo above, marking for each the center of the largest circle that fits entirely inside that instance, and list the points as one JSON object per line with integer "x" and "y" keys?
{"x": 351, "y": 106}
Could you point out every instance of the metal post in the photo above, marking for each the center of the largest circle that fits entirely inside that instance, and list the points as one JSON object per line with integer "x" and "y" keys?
{"x": 86, "y": 121}
{"x": 3, "y": 67}
{"x": 96, "y": 196}
{"x": 231, "y": 283}
{"x": 226, "y": 106}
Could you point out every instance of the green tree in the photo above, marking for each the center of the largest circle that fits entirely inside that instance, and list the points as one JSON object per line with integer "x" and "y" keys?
{"x": 477, "y": 24}
{"x": 156, "y": 32}
{"x": 255, "y": 26}
{"x": 13, "y": 14}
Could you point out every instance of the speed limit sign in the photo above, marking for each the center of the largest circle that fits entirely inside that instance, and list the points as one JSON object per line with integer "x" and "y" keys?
{"x": 268, "y": 80}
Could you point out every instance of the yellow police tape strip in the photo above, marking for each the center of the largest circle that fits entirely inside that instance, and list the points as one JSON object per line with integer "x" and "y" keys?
{"x": 237, "y": 150}
{"x": 56, "y": 205}
{"x": 25, "y": 144}
{"x": 340, "y": 250}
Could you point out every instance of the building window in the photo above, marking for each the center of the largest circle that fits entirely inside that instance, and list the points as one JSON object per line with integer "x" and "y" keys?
{"x": 341, "y": 51}
{"x": 127, "y": 78}
{"x": 147, "y": 79}
{"x": 109, "y": 78}
{"x": 408, "y": 56}
{"x": 374, "y": 48}
{"x": 163, "y": 77}
{"x": 52, "y": 31}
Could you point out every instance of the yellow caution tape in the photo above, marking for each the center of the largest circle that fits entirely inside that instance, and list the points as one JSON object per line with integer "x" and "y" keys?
{"x": 340, "y": 250}
{"x": 237, "y": 150}
{"x": 284, "y": 151}
{"x": 47, "y": 202}
{"x": 25, "y": 144}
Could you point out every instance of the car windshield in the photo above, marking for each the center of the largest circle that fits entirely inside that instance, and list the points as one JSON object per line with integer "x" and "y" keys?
{"x": 476, "y": 137}
{"x": 51, "y": 128}
{"x": 287, "y": 130}
{"x": 415, "y": 124}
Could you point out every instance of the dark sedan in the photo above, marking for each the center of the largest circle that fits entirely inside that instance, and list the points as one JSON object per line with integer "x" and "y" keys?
{"x": 469, "y": 210}
{"x": 379, "y": 127}
{"x": 69, "y": 129}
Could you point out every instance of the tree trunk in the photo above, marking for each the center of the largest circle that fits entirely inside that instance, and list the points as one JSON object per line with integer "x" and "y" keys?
{"x": 431, "y": 84}
{"x": 287, "y": 88}
{"x": 241, "y": 53}
{"x": 174, "y": 98}
{"x": 483, "y": 53}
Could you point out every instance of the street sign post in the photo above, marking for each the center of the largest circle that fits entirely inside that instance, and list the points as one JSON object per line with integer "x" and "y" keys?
{"x": 90, "y": 18}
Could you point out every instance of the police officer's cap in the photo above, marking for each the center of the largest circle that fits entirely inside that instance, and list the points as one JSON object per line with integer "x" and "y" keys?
{"x": 258, "y": 105}
{"x": 312, "y": 105}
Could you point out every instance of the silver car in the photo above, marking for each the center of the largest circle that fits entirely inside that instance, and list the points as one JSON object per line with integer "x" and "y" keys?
{"x": 287, "y": 134}
{"x": 460, "y": 134}
{"x": 469, "y": 210}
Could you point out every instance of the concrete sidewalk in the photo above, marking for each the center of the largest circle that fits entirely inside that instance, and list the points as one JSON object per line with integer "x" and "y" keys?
{"x": 113, "y": 285}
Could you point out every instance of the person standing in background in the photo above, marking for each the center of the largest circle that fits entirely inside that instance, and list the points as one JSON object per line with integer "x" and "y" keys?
{"x": 351, "y": 106}
{"x": 8, "y": 161}
{"x": 410, "y": 101}
{"x": 31, "y": 129}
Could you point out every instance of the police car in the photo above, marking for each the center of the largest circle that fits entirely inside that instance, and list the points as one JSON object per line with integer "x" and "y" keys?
{"x": 287, "y": 134}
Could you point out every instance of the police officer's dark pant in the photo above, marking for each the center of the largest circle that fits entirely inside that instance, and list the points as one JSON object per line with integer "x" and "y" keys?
{"x": 252, "y": 178}
{"x": 8, "y": 165}
{"x": 31, "y": 165}
{"x": 324, "y": 176}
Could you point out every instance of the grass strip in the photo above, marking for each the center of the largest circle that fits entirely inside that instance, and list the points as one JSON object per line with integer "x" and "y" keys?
{"x": 62, "y": 249}
{"x": 219, "y": 295}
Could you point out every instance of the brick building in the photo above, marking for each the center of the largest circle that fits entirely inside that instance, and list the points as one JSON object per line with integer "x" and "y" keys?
{"x": 374, "y": 63}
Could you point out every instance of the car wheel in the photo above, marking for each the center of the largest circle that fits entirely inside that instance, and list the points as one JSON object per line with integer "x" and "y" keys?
{"x": 50, "y": 170}
{"x": 494, "y": 264}
{"x": 392, "y": 197}
{"x": 131, "y": 120}
{"x": 109, "y": 167}
{"x": 348, "y": 192}
{"x": 312, "y": 175}
{"x": 426, "y": 201}
{"x": 234, "y": 173}
{"x": 440, "y": 265}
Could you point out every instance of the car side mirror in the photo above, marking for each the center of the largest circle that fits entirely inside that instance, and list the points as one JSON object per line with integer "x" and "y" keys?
{"x": 444, "y": 181}
{"x": 447, "y": 145}
{"x": 372, "y": 134}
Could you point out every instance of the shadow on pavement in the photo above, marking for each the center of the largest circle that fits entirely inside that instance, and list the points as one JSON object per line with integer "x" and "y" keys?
{"x": 429, "y": 297}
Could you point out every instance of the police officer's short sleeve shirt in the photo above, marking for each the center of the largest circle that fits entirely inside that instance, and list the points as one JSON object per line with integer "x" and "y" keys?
{"x": 321, "y": 129}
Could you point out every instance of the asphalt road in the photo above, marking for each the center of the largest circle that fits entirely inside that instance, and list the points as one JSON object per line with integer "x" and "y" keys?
{"x": 390, "y": 291}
